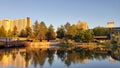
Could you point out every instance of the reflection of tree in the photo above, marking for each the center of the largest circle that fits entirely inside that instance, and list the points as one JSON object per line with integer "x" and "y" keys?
{"x": 27, "y": 58}
{"x": 68, "y": 57}
{"x": 50, "y": 56}
{"x": 80, "y": 56}
{"x": 61, "y": 54}
{"x": 39, "y": 57}
{"x": 99, "y": 56}
{"x": 35, "y": 58}
{"x": 13, "y": 56}
{"x": 77, "y": 57}
{"x": 73, "y": 57}
{"x": 1, "y": 56}
{"x": 42, "y": 55}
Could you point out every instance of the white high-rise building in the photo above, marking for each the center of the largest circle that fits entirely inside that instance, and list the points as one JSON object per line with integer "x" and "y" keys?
{"x": 19, "y": 23}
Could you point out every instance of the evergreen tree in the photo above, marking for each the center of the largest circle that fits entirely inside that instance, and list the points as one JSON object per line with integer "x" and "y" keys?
{"x": 23, "y": 33}
{"x": 28, "y": 32}
{"x": 60, "y": 32}
{"x": 9, "y": 33}
{"x": 2, "y": 31}
{"x": 67, "y": 26}
{"x": 36, "y": 28}
{"x": 15, "y": 31}
{"x": 50, "y": 34}
{"x": 42, "y": 31}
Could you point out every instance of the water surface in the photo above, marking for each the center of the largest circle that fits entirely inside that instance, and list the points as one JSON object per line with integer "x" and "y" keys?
{"x": 37, "y": 58}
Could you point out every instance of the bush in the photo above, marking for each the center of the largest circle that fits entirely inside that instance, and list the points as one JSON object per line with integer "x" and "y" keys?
{"x": 105, "y": 44}
{"x": 118, "y": 42}
{"x": 64, "y": 44}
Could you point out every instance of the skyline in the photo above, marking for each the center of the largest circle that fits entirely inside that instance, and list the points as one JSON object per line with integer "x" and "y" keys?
{"x": 95, "y": 12}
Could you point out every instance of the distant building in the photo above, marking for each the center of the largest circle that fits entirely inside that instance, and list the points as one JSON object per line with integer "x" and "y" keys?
{"x": 19, "y": 23}
{"x": 110, "y": 24}
{"x": 83, "y": 25}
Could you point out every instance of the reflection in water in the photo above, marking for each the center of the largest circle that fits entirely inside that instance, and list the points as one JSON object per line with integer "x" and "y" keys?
{"x": 24, "y": 58}
{"x": 115, "y": 53}
{"x": 14, "y": 58}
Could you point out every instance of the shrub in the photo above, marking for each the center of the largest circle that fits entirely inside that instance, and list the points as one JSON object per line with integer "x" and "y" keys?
{"x": 118, "y": 42}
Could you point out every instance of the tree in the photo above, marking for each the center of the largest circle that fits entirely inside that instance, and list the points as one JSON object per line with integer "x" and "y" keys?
{"x": 67, "y": 26}
{"x": 84, "y": 36}
{"x": 23, "y": 33}
{"x": 9, "y": 33}
{"x": 79, "y": 37}
{"x": 42, "y": 31}
{"x": 36, "y": 28}
{"x": 100, "y": 31}
{"x": 60, "y": 32}
{"x": 50, "y": 34}
{"x": 50, "y": 56}
{"x": 88, "y": 35}
{"x": 15, "y": 31}
{"x": 72, "y": 32}
{"x": 28, "y": 32}
{"x": 2, "y": 31}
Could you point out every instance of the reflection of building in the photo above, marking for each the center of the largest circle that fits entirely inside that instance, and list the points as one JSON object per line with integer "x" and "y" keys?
{"x": 18, "y": 61}
{"x": 19, "y": 23}
{"x": 83, "y": 25}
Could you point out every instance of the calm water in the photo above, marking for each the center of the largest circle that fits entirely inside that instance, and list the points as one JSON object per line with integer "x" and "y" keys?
{"x": 36, "y": 58}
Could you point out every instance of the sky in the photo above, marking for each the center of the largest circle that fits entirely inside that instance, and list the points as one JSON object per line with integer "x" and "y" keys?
{"x": 58, "y": 12}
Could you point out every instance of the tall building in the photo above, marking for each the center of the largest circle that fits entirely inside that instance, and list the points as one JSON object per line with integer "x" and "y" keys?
{"x": 83, "y": 25}
{"x": 19, "y": 23}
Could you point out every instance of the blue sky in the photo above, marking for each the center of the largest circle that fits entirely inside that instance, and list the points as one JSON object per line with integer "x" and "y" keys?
{"x": 58, "y": 12}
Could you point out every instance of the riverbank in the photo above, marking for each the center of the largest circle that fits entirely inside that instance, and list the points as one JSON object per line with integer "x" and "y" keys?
{"x": 53, "y": 45}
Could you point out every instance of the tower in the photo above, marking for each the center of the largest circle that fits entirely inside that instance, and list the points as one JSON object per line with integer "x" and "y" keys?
{"x": 83, "y": 25}
{"x": 110, "y": 24}
{"x": 28, "y": 22}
